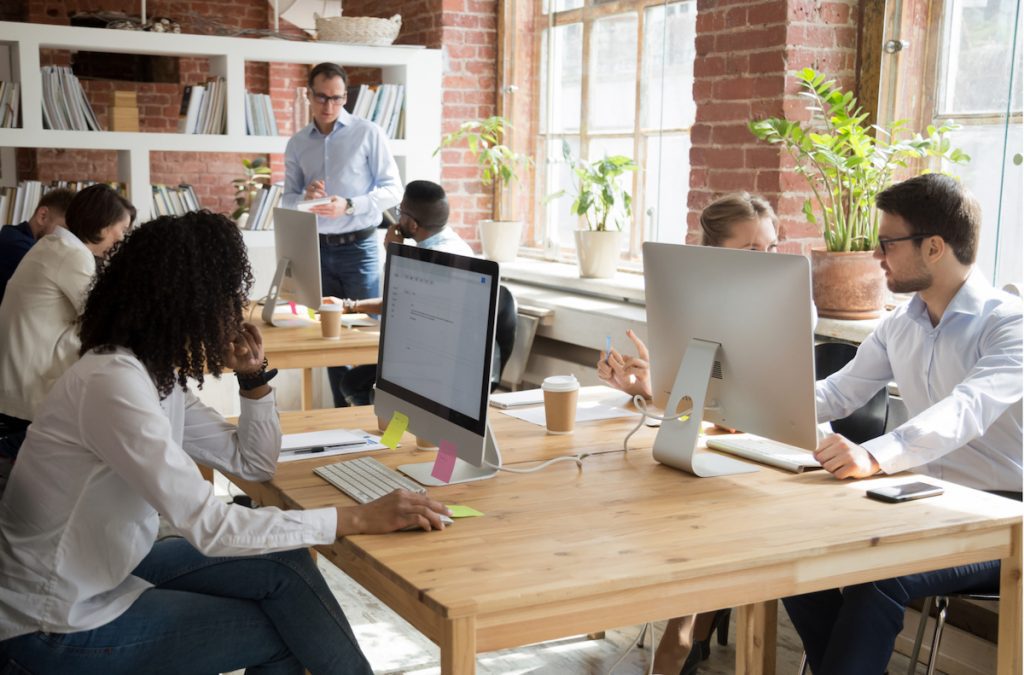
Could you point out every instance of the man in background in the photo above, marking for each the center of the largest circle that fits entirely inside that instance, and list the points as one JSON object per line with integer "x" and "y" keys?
{"x": 16, "y": 240}
{"x": 345, "y": 160}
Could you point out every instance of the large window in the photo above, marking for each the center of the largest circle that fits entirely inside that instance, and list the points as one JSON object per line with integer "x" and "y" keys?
{"x": 979, "y": 86}
{"x": 616, "y": 78}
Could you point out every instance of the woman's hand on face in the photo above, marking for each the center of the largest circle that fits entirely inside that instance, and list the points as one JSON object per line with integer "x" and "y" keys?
{"x": 627, "y": 373}
{"x": 245, "y": 353}
{"x": 392, "y": 512}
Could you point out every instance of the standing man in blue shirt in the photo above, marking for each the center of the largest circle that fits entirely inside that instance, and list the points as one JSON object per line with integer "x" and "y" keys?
{"x": 954, "y": 351}
{"x": 16, "y": 240}
{"x": 345, "y": 159}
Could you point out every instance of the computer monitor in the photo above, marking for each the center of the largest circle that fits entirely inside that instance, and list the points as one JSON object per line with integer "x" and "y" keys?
{"x": 731, "y": 331}
{"x": 434, "y": 363}
{"x": 297, "y": 246}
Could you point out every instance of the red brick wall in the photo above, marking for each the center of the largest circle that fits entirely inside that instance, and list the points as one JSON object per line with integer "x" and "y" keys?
{"x": 746, "y": 52}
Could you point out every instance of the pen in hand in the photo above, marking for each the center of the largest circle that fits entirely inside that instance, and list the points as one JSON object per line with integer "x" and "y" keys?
{"x": 607, "y": 347}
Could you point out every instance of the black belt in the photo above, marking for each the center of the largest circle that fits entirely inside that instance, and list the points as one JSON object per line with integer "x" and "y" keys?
{"x": 347, "y": 237}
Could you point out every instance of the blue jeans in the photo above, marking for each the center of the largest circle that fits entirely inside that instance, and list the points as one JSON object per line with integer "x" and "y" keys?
{"x": 852, "y": 631}
{"x": 271, "y": 614}
{"x": 349, "y": 271}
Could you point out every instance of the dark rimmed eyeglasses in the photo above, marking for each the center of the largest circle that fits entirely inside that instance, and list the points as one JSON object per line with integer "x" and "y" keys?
{"x": 882, "y": 243}
{"x": 324, "y": 99}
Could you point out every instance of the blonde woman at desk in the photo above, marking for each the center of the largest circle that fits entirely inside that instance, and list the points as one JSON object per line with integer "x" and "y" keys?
{"x": 84, "y": 585}
{"x": 741, "y": 221}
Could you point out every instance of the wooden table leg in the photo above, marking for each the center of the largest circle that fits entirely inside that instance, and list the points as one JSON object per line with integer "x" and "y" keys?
{"x": 1010, "y": 661}
{"x": 458, "y": 647}
{"x": 756, "y": 626}
{"x": 307, "y": 388}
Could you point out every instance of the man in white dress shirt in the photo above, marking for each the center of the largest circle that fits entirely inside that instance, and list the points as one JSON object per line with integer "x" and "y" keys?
{"x": 955, "y": 352}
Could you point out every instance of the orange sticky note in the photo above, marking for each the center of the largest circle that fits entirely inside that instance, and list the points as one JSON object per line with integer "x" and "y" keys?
{"x": 444, "y": 464}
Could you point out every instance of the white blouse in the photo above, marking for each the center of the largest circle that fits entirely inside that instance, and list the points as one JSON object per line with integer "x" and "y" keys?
{"x": 103, "y": 457}
{"x": 38, "y": 337}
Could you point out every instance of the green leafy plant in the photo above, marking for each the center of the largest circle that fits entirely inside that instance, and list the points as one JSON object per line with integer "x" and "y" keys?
{"x": 257, "y": 175}
{"x": 485, "y": 141}
{"x": 845, "y": 164}
{"x": 600, "y": 199}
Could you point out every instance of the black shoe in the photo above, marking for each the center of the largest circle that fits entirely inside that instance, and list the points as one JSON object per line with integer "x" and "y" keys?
{"x": 693, "y": 660}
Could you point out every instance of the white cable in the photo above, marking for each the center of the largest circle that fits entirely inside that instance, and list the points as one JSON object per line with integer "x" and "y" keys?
{"x": 641, "y": 404}
{"x": 564, "y": 458}
{"x": 625, "y": 652}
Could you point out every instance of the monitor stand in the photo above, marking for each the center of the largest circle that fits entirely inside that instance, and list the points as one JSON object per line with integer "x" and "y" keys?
{"x": 273, "y": 296}
{"x": 464, "y": 472}
{"x": 678, "y": 439}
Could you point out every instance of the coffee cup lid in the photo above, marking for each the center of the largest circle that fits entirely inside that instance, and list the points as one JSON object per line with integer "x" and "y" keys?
{"x": 560, "y": 383}
{"x": 330, "y": 308}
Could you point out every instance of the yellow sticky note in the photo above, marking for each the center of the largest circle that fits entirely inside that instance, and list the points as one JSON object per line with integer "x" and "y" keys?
{"x": 396, "y": 427}
{"x": 312, "y": 314}
{"x": 462, "y": 511}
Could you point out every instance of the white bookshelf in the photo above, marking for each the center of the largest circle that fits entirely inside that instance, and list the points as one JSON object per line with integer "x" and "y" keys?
{"x": 417, "y": 68}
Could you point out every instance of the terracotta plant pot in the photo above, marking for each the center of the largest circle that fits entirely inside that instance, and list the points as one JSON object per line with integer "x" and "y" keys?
{"x": 598, "y": 253}
{"x": 847, "y": 285}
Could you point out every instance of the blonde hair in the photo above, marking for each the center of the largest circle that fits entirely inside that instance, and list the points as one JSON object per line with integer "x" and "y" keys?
{"x": 719, "y": 217}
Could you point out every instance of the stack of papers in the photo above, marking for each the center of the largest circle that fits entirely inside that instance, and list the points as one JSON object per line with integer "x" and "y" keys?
{"x": 316, "y": 444}
{"x": 595, "y": 403}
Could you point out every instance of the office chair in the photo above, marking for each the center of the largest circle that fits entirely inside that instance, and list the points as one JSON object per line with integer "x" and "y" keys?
{"x": 941, "y": 603}
{"x": 504, "y": 334}
{"x": 869, "y": 420}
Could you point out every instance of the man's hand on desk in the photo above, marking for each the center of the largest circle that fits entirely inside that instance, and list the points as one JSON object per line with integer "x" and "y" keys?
{"x": 844, "y": 458}
{"x": 392, "y": 512}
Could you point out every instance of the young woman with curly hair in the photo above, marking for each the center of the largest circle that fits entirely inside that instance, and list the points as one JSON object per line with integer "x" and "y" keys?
{"x": 84, "y": 585}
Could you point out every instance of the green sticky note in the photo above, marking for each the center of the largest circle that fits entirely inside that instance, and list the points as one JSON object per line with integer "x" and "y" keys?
{"x": 462, "y": 511}
{"x": 396, "y": 427}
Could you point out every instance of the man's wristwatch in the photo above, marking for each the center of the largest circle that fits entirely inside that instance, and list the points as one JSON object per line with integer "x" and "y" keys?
{"x": 250, "y": 381}
{"x": 350, "y": 208}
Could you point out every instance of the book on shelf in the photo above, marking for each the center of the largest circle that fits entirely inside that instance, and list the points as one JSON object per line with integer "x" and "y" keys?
{"x": 10, "y": 93}
{"x": 17, "y": 204}
{"x": 259, "y": 115}
{"x": 65, "y": 105}
{"x": 173, "y": 200}
{"x": 380, "y": 103}
{"x": 202, "y": 109}
{"x": 261, "y": 212}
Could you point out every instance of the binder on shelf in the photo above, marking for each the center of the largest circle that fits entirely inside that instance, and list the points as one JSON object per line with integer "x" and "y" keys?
{"x": 9, "y": 98}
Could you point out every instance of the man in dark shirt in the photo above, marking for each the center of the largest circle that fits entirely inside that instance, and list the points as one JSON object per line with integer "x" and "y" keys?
{"x": 16, "y": 240}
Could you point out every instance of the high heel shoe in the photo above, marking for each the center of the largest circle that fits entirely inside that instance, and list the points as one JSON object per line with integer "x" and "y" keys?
{"x": 701, "y": 649}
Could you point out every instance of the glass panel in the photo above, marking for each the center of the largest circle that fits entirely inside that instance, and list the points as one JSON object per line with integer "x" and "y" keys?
{"x": 667, "y": 84}
{"x": 560, "y": 223}
{"x": 601, "y": 147}
{"x": 973, "y": 75}
{"x": 981, "y": 175}
{"x": 561, "y": 5}
{"x": 612, "y": 65}
{"x": 668, "y": 184}
{"x": 561, "y": 97}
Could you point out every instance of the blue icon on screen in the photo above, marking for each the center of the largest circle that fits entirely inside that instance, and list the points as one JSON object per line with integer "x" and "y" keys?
{"x": 483, "y": 280}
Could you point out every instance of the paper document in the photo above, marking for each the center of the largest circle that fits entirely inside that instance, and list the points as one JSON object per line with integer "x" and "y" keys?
{"x": 307, "y": 204}
{"x": 317, "y": 444}
{"x": 527, "y": 397}
{"x": 595, "y": 403}
{"x": 358, "y": 321}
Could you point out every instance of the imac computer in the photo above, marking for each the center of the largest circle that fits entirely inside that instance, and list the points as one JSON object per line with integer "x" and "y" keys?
{"x": 297, "y": 247}
{"x": 731, "y": 338}
{"x": 436, "y": 345}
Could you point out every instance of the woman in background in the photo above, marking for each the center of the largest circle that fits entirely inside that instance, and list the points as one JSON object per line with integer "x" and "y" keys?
{"x": 742, "y": 221}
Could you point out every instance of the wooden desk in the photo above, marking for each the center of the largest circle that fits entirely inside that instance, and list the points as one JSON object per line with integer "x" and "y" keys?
{"x": 305, "y": 348}
{"x": 627, "y": 540}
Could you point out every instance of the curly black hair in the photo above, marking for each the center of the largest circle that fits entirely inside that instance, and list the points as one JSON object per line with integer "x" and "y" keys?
{"x": 172, "y": 292}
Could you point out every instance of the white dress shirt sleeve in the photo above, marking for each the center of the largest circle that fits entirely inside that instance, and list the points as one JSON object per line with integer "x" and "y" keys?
{"x": 294, "y": 180}
{"x": 387, "y": 185}
{"x": 846, "y": 390}
{"x": 248, "y": 451}
{"x": 122, "y": 423}
{"x": 993, "y": 385}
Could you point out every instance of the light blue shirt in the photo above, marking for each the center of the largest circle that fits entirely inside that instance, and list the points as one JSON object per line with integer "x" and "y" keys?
{"x": 961, "y": 381}
{"x": 447, "y": 240}
{"x": 353, "y": 161}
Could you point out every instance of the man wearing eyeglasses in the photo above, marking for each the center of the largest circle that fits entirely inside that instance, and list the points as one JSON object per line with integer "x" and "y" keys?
{"x": 346, "y": 160}
{"x": 954, "y": 351}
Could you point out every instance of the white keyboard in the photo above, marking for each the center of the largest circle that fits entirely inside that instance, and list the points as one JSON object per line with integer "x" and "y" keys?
{"x": 365, "y": 479}
{"x": 765, "y": 451}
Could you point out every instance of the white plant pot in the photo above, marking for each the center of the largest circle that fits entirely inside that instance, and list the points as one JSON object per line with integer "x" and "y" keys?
{"x": 500, "y": 239}
{"x": 598, "y": 253}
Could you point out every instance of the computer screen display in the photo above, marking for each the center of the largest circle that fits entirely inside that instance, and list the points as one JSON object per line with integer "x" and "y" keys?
{"x": 437, "y": 333}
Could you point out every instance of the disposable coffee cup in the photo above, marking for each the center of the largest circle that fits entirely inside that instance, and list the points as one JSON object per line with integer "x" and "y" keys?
{"x": 560, "y": 395}
{"x": 330, "y": 321}
{"x": 424, "y": 444}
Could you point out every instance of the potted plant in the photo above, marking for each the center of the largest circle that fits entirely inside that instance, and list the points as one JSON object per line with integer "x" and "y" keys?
{"x": 603, "y": 205}
{"x": 499, "y": 166}
{"x": 847, "y": 163}
{"x": 257, "y": 176}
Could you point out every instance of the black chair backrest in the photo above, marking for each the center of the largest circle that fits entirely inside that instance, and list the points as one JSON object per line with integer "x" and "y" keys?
{"x": 504, "y": 332}
{"x": 869, "y": 420}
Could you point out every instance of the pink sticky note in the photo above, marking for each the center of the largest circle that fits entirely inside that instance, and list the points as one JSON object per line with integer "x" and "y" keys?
{"x": 294, "y": 311}
{"x": 445, "y": 462}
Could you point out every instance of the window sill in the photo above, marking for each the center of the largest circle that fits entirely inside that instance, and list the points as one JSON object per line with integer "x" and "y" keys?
{"x": 565, "y": 277}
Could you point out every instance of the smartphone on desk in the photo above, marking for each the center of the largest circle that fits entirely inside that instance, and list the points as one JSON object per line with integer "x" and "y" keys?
{"x": 905, "y": 492}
